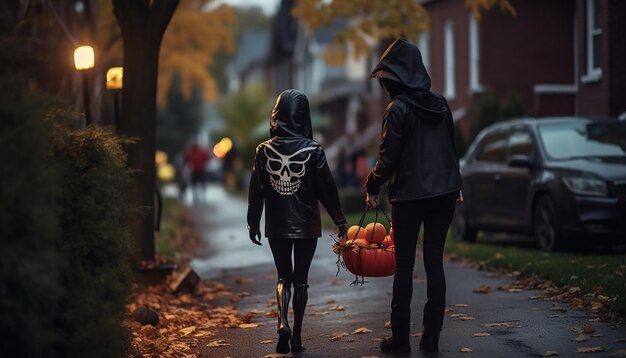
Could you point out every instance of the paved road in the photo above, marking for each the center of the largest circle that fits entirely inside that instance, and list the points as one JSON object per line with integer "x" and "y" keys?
{"x": 518, "y": 326}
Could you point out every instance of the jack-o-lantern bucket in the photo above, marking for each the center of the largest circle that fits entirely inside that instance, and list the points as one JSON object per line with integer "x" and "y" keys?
{"x": 368, "y": 262}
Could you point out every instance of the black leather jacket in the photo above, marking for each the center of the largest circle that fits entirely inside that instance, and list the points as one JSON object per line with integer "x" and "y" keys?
{"x": 417, "y": 153}
{"x": 291, "y": 175}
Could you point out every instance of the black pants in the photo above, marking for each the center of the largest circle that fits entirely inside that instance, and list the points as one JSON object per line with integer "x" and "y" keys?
{"x": 407, "y": 217}
{"x": 303, "y": 251}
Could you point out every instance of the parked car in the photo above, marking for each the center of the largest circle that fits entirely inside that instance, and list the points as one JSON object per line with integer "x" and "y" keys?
{"x": 554, "y": 178}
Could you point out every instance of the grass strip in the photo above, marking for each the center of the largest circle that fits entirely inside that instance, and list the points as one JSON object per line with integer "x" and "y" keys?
{"x": 602, "y": 273}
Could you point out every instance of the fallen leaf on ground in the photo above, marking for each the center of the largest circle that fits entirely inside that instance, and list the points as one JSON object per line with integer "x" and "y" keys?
{"x": 338, "y": 336}
{"x": 337, "y": 282}
{"x": 482, "y": 289}
{"x": 596, "y": 335}
{"x": 456, "y": 315}
{"x": 590, "y": 349}
{"x": 507, "y": 324}
{"x": 417, "y": 334}
{"x": 589, "y": 329}
{"x": 337, "y": 308}
{"x": 580, "y": 338}
{"x": 248, "y": 325}
{"x": 361, "y": 330}
{"x": 320, "y": 313}
{"x": 218, "y": 343}
{"x": 187, "y": 330}
{"x": 461, "y": 305}
{"x": 466, "y": 318}
{"x": 550, "y": 354}
{"x": 267, "y": 341}
{"x": 482, "y": 334}
{"x": 388, "y": 324}
{"x": 275, "y": 355}
{"x": 203, "y": 334}
{"x": 511, "y": 290}
{"x": 242, "y": 280}
{"x": 466, "y": 350}
{"x": 377, "y": 339}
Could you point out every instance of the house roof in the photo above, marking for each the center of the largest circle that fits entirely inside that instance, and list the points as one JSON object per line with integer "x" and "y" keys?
{"x": 253, "y": 48}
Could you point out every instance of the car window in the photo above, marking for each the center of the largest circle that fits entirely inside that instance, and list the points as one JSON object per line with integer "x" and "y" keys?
{"x": 574, "y": 140}
{"x": 521, "y": 143}
{"x": 493, "y": 148}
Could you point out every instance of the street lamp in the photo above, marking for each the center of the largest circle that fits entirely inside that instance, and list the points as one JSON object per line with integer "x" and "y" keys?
{"x": 115, "y": 76}
{"x": 83, "y": 62}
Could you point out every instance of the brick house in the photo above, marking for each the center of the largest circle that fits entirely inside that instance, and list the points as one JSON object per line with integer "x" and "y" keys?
{"x": 560, "y": 57}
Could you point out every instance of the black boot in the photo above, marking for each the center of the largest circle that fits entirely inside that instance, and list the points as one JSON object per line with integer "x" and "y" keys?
{"x": 300, "y": 297}
{"x": 283, "y": 295}
{"x": 392, "y": 345}
{"x": 430, "y": 341}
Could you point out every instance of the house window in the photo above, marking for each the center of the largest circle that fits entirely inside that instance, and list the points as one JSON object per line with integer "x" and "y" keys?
{"x": 594, "y": 42}
{"x": 449, "y": 76}
{"x": 474, "y": 55}
{"x": 423, "y": 42}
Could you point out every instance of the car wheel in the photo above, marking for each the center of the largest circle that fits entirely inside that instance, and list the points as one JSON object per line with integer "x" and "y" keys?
{"x": 460, "y": 229}
{"x": 545, "y": 224}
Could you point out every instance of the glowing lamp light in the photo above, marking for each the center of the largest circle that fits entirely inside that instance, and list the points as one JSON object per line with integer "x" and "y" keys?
{"x": 160, "y": 158}
{"x": 84, "y": 58}
{"x": 218, "y": 152}
{"x": 115, "y": 76}
{"x": 226, "y": 144}
{"x": 166, "y": 172}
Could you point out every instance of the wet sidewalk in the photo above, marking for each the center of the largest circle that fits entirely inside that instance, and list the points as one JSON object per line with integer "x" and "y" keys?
{"x": 496, "y": 324}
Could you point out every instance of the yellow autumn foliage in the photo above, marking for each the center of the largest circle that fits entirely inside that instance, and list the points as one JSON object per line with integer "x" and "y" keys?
{"x": 198, "y": 31}
{"x": 371, "y": 21}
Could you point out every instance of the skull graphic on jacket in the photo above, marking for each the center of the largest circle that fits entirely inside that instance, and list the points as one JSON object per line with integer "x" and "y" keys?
{"x": 285, "y": 171}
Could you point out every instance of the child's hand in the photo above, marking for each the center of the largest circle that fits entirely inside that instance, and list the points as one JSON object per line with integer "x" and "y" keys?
{"x": 255, "y": 237}
{"x": 342, "y": 231}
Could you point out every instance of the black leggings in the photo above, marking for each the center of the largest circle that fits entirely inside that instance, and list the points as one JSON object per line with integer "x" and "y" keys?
{"x": 407, "y": 216}
{"x": 303, "y": 251}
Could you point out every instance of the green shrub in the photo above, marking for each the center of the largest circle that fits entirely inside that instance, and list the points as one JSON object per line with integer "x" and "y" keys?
{"x": 95, "y": 242}
{"x": 30, "y": 263}
{"x": 489, "y": 109}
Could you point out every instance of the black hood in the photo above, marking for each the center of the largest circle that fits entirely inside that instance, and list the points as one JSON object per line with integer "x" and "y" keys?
{"x": 402, "y": 62}
{"x": 291, "y": 116}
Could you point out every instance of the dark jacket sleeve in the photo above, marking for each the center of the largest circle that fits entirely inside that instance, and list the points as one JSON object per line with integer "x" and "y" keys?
{"x": 327, "y": 190}
{"x": 390, "y": 150}
{"x": 255, "y": 196}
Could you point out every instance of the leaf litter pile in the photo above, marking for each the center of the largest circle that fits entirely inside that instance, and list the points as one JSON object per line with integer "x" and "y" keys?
{"x": 186, "y": 321}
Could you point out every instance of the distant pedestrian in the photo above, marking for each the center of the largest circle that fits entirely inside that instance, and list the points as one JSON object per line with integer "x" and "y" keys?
{"x": 196, "y": 158}
{"x": 290, "y": 174}
{"x": 417, "y": 156}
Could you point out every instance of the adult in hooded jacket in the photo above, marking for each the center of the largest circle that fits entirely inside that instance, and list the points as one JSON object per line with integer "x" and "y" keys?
{"x": 418, "y": 159}
{"x": 290, "y": 175}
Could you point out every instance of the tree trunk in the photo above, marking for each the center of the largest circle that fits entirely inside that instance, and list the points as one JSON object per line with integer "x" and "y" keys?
{"x": 142, "y": 25}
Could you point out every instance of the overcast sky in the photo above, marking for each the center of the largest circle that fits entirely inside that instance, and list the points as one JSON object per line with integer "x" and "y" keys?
{"x": 268, "y": 6}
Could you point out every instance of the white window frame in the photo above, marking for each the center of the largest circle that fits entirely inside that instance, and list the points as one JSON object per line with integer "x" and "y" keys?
{"x": 474, "y": 54}
{"x": 594, "y": 71}
{"x": 423, "y": 42}
{"x": 449, "y": 79}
